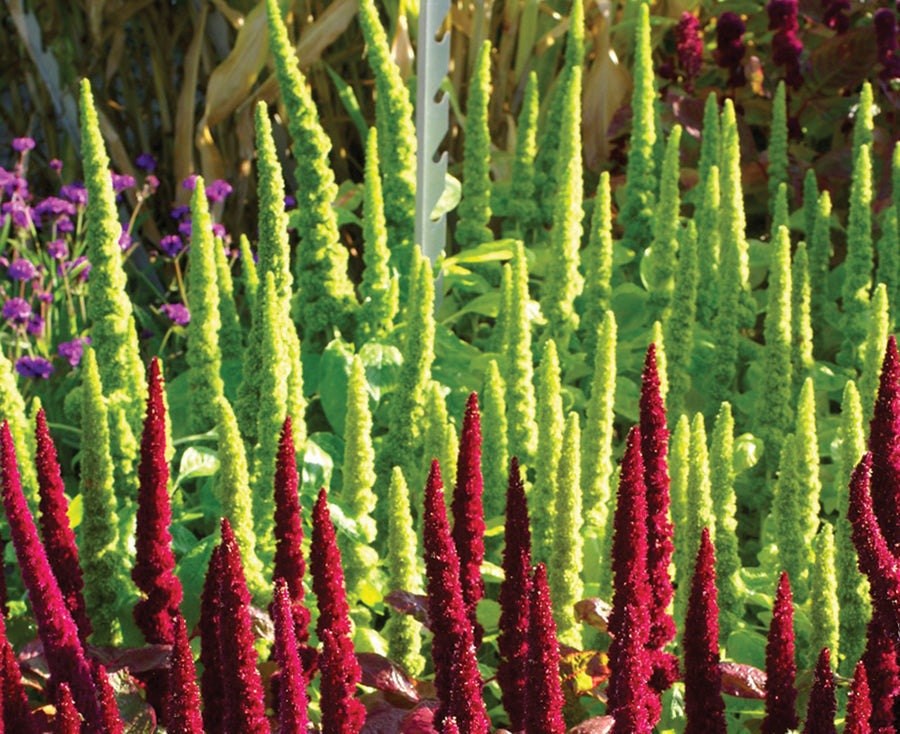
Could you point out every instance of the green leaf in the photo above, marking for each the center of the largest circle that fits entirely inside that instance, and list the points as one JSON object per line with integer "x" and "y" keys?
{"x": 334, "y": 372}
{"x": 348, "y": 99}
{"x": 382, "y": 363}
{"x": 191, "y": 571}
{"x": 318, "y": 465}
{"x": 747, "y": 450}
{"x": 485, "y": 252}
{"x": 486, "y": 305}
{"x": 197, "y": 461}
{"x": 449, "y": 198}
{"x": 76, "y": 511}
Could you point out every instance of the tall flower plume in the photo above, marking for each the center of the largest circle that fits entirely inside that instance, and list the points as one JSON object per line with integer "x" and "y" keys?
{"x": 689, "y": 48}
{"x": 822, "y": 704}
{"x": 730, "y": 47}
{"x": 543, "y": 694}
{"x": 183, "y": 702}
{"x": 883, "y": 676}
{"x": 56, "y": 628}
{"x": 468, "y": 513}
{"x": 781, "y": 670}
{"x": 859, "y": 707}
{"x": 16, "y": 711}
{"x": 327, "y": 574}
{"x": 884, "y": 443}
{"x": 212, "y": 685}
{"x": 515, "y": 598}
{"x": 341, "y": 712}
{"x": 109, "y": 709}
{"x": 56, "y": 532}
{"x": 786, "y": 47}
{"x": 292, "y": 700}
{"x": 66, "y": 720}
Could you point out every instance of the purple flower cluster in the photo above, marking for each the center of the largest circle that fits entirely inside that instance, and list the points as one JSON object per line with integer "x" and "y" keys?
{"x": 73, "y": 350}
{"x": 76, "y": 193}
{"x": 57, "y": 249}
{"x": 121, "y": 181}
{"x": 22, "y": 269}
{"x": 34, "y": 367}
{"x": 886, "y": 38}
{"x": 689, "y": 48}
{"x": 178, "y": 312}
{"x": 22, "y": 144}
{"x": 146, "y": 161}
{"x": 786, "y": 47}
{"x": 218, "y": 190}
{"x": 730, "y": 47}
{"x": 17, "y": 310}
{"x": 171, "y": 244}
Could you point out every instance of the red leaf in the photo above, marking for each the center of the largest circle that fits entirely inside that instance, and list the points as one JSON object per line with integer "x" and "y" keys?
{"x": 385, "y": 675}
{"x": 743, "y": 681}
{"x": 596, "y": 725}
{"x": 406, "y": 602}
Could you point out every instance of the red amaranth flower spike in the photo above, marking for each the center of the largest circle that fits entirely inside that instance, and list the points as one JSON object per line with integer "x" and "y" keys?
{"x": 183, "y": 702}
{"x": 292, "y": 699}
{"x": 630, "y": 699}
{"x": 703, "y": 704}
{"x": 689, "y": 48}
{"x": 56, "y": 628}
{"x": 884, "y": 443}
{"x": 327, "y": 573}
{"x": 730, "y": 47}
{"x": 822, "y": 706}
{"x": 16, "y": 716}
{"x": 289, "y": 562}
{"x": 468, "y": 514}
{"x": 56, "y": 532}
{"x": 245, "y": 709}
{"x": 883, "y": 676}
{"x": 660, "y": 530}
{"x": 543, "y": 694}
{"x": 786, "y": 47}
{"x": 515, "y": 597}
{"x": 112, "y": 720}
{"x": 341, "y": 712}
{"x": 834, "y": 16}
{"x": 66, "y": 720}
{"x": 781, "y": 671}
{"x": 859, "y": 707}
{"x": 212, "y": 685}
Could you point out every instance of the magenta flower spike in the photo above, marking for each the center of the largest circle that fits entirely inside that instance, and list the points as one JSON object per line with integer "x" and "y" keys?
{"x": 112, "y": 720}
{"x": 154, "y": 564}
{"x": 689, "y": 48}
{"x": 873, "y": 555}
{"x": 450, "y": 726}
{"x": 703, "y": 704}
{"x": 292, "y": 699}
{"x": 884, "y": 443}
{"x": 449, "y": 622}
{"x": 515, "y": 598}
{"x": 660, "y": 530}
{"x": 327, "y": 573}
{"x": 66, "y": 720}
{"x": 630, "y": 698}
{"x": 212, "y": 685}
{"x": 341, "y": 712}
{"x": 57, "y": 630}
{"x": 822, "y": 706}
{"x": 730, "y": 48}
{"x": 786, "y": 47}
{"x": 859, "y": 707}
{"x": 468, "y": 514}
{"x": 16, "y": 712}
{"x": 56, "y": 532}
{"x": 183, "y": 702}
{"x": 245, "y": 709}
{"x": 289, "y": 562}
{"x": 781, "y": 671}
{"x": 543, "y": 693}
{"x": 883, "y": 676}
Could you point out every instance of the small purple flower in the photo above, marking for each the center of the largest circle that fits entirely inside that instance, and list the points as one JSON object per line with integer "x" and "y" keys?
{"x": 146, "y": 161}
{"x": 218, "y": 230}
{"x": 730, "y": 47}
{"x": 171, "y": 244}
{"x": 177, "y": 312}
{"x": 190, "y": 183}
{"x": 22, "y": 144}
{"x": 124, "y": 239}
{"x": 20, "y": 212}
{"x": 179, "y": 211}
{"x": 55, "y": 206}
{"x": 151, "y": 182}
{"x": 64, "y": 224}
{"x": 690, "y": 47}
{"x": 79, "y": 266}
{"x": 121, "y": 181}
{"x": 218, "y": 190}
{"x": 22, "y": 269}
{"x": 17, "y": 310}
{"x": 35, "y": 326}
{"x": 34, "y": 367}
{"x": 76, "y": 193}
{"x": 73, "y": 350}
{"x": 184, "y": 228}
{"x": 57, "y": 249}
{"x": 56, "y": 164}
{"x": 45, "y": 297}
{"x": 289, "y": 201}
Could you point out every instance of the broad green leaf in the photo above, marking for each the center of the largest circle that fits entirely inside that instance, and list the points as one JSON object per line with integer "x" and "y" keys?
{"x": 747, "y": 450}
{"x": 485, "y": 252}
{"x": 197, "y": 461}
{"x": 382, "y": 363}
{"x": 449, "y": 198}
{"x": 334, "y": 373}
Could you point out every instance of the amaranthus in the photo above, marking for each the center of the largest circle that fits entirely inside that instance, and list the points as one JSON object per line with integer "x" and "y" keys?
{"x": 522, "y": 208}
{"x": 781, "y": 670}
{"x": 543, "y": 694}
{"x": 778, "y": 146}
{"x": 597, "y": 261}
{"x": 682, "y": 316}
{"x": 183, "y": 702}
{"x": 550, "y": 435}
{"x": 292, "y": 700}
{"x": 665, "y": 227}
{"x": 822, "y": 704}
{"x": 495, "y": 453}
{"x": 801, "y": 325}
{"x": 823, "y": 596}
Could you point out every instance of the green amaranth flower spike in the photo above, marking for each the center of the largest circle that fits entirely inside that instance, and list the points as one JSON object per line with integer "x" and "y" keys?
{"x": 494, "y": 444}
{"x": 396, "y": 140}
{"x": 597, "y": 460}
{"x": 436, "y": 426}
{"x": 522, "y": 209}
{"x": 359, "y": 558}
{"x": 204, "y": 357}
{"x": 801, "y": 325}
{"x": 778, "y": 152}
{"x": 889, "y": 256}
{"x": 109, "y": 309}
{"x": 517, "y": 364}
{"x": 100, "y": 552}
{"x": 656, "y": 337}
{"x": 707, "y": 219}
{"x": 729, "y": 585}
{"x": 679, "y": 476}
{"x": 711, "y": 140}
{"x": 12, "y": 409}
{"x": 230, "y": 335}
{"x": 810, "y": 203}
{"x": 546, "y": 464}
{"x": 324, "y": 292}
{"x": 636, "y": 216}
{"x": 864, "y": 124}
{"x": 665, "y": 246}
{"x": 232, "y": 490}
{"x": 597, "y": 260}
{"x": 775, "y": 415}
{"x": 475, "y": 206}
{"x": 852, "y": 585}
{"x": 273, "y": 407}
{"x": 379, "y": 290}
{"x": 872, "y": 350}
{"x": 823, "y": 609}
{"x": 564, "y": 570}
{"x": 403, "y": 632}
{"x": 250, "y": 277}
{"x": 819, "y": 258}
{"x": 563, "y": 281}
{"x": 859, "y": 260}
{"x": 780, "y": 215}
{"x": 895, "y": 177}
{"x": 679, "y": 327}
